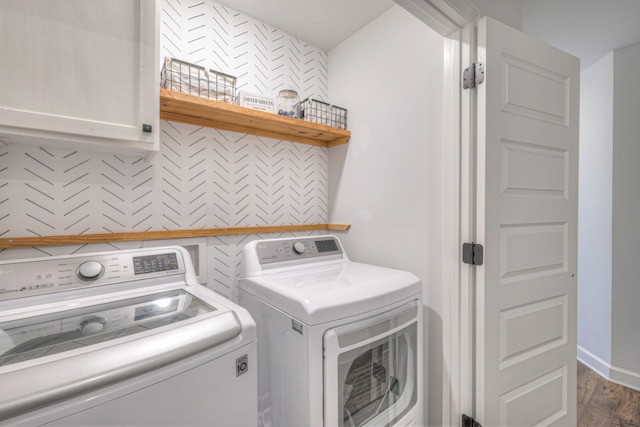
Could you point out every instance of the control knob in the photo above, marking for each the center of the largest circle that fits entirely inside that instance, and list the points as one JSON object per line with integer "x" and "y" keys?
{"x": 92, "y": 325}
{"x": 298, "y": 248}
{"x": 90, "y": 270}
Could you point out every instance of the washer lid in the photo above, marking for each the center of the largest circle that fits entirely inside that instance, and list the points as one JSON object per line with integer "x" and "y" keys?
{"x": 78, "y": 345}
{"x": 33, "y": 337}
{"x": 322, "y": 294}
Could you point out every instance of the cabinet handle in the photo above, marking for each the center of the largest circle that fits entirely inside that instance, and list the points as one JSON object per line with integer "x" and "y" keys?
{"x": 147, "y": 128}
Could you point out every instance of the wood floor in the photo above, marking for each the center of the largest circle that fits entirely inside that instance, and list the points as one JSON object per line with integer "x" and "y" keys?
{"x": 605, "y": 404}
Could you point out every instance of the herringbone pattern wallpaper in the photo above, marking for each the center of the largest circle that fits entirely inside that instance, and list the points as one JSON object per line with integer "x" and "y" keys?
{"x": 202, "y": 177}
{"x": 263, "y": 58}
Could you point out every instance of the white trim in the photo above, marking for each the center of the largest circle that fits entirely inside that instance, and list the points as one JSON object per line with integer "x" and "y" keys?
{"x": 458, "y": 214}
{"x": 446, "y": 17}
{"x": 467, "y": 119}
{"x": 609, "y": 372}
{"x": 451, "y": 225}
{"x": 602, "y": 367}
{"x": 625, "y": 378}
{"x": 459, "y": 220}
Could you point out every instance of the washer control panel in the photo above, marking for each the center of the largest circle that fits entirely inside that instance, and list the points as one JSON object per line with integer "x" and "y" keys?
{"x": 45, "y": 275}
{"x": 90, "y": 270}
{"x": 307, "y": 248}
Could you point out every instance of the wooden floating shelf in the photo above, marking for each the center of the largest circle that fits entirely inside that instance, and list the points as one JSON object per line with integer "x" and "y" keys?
{"x": 82, "y": 239}
{"x": 194, "y": 110}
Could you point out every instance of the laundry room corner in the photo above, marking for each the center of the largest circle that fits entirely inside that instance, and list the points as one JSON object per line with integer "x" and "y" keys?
{"x": 388, "y": 182}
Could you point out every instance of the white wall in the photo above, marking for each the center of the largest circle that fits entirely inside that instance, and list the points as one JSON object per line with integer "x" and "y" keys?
{"x": 626, "y": 213}
{"x": 588, "y": 29}
{"x": 595, "y": 215}
{"x": 387, "y": 181}
{"x": 609, "y": 232}
{"x": 506, "y": 11}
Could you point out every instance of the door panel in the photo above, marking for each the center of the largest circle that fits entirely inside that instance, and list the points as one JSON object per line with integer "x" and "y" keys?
{"x": 527, "y": 175}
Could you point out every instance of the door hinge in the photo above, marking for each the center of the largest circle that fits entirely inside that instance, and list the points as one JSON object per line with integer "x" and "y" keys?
{"x": 468, "y": 421}
{"x": 472, "y": 253}
{"x": 473, "y": 76}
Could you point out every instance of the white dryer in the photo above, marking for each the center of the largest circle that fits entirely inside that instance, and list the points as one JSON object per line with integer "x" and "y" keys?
{"x": 120, "y": 339}
{"x": 339, "y": 342}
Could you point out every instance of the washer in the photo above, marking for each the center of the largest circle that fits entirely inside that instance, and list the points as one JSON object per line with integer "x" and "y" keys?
{"x": 122, "y": 338}
{"x": 339, "y": 342}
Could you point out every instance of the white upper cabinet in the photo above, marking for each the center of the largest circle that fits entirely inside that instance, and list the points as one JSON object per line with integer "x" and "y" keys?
{"x": 80, "y": 74}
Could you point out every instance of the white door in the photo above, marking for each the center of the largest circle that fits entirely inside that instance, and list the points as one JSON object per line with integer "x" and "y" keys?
{"x": 527, "y": 211}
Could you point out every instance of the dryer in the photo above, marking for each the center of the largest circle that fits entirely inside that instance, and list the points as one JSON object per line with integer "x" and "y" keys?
{"x": 339, "y": 342}
{"x": 122, "y": 338}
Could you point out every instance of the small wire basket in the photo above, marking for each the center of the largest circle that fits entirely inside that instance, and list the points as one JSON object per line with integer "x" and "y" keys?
{"x": 316, "y": 111}
{"x": 195, "y": 80}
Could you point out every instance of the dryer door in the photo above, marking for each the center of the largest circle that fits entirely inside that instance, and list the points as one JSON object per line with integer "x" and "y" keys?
{"x": 370, "y": 370}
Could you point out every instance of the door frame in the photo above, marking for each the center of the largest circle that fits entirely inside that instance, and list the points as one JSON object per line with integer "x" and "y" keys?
{"x": 455, "y": 20}
{"x": 459, "y": 132}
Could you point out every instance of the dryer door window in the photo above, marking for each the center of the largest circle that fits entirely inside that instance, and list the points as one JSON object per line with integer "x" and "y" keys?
{"x": 371, "y": 371}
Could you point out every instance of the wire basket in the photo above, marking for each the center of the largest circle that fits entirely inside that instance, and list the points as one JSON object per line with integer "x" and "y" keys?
{"x": 312, "y": 110}
{"x": 195, "y": 80}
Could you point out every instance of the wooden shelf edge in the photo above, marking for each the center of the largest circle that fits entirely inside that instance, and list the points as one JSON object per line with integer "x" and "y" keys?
{"x": 190, "y": 109}
{"x": 83, "y": 239}
{"x": 338, "y": 227}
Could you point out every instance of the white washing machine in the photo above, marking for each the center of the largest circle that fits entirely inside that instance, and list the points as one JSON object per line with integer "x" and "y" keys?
{"x": 339, "y": 342}
{"x": 120, "y": 339}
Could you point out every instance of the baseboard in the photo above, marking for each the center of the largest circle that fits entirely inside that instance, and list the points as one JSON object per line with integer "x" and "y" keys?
{"x": 626, "y": 378}
{"x": 594, "y": 363}
{"x": 609, "y": 372}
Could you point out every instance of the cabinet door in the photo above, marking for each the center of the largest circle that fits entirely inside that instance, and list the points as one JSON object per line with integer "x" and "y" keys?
{"x": 80, "y": 74}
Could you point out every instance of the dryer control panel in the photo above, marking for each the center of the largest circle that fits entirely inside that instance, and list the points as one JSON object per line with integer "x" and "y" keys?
{"x": 307, "y": 248}
{"x": 55, "y": 274}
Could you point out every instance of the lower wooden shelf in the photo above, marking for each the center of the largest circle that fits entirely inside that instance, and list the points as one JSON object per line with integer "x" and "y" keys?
{"x": 20, "y": 242}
